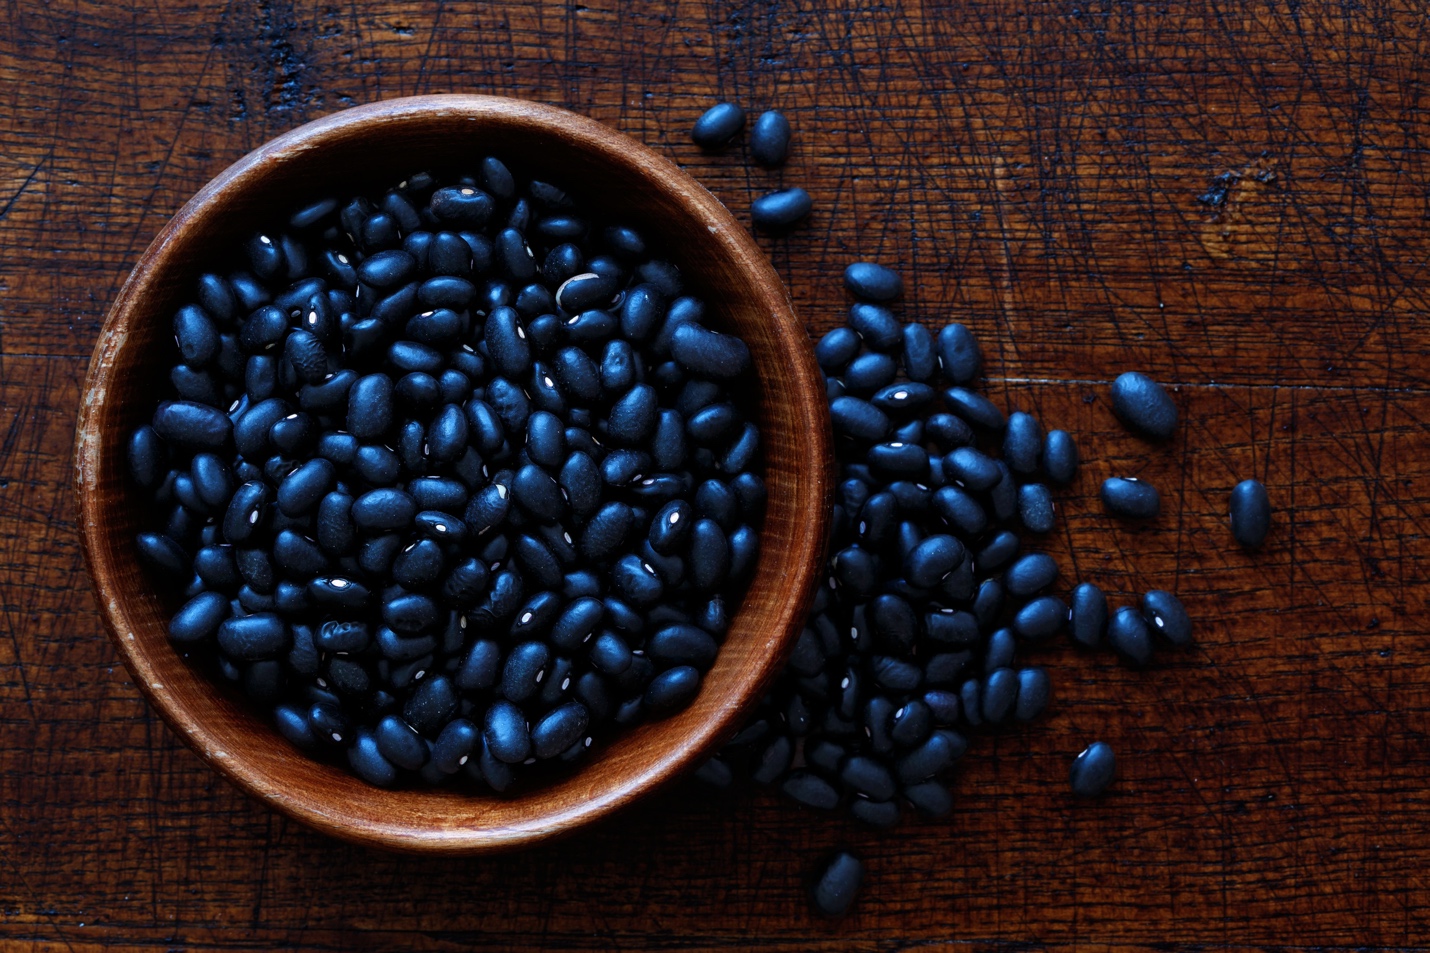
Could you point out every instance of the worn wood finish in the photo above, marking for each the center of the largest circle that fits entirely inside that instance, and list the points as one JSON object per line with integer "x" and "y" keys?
{"x": 356, "y": 151}
{"x": 1038, "y": 169}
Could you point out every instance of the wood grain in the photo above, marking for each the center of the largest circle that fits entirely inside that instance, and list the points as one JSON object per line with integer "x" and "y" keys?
{"x": 1037, "y": 169}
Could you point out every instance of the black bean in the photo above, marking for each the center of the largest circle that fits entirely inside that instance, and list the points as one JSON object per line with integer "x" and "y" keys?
{"x": 1167, "y": 617}
{"x": 936, "y": 755}
{"x": 683, "y": 645}
{"x": 505, "y": 731}
{"x": 1143, "y": 406}
{"x": 297, "y": 555}
{"x": 633, "y": 416}
{"x": 146, "y": 456}
{"x": 836, "y": 349}
{"x": 1030, "y": 574}
{"x": 431, "y": 705}
{"x": 590, "y": 327}
{"x": 769, "y": 139}
{"x": 438, "y": 327}
{"x": 961, "y": 511}
{"x": 933, "y": 559}
{"x": 305, "y": 486}
{"x": 999, "y": 650}
{"x": 1250, "y": 513}
{"x": 399, "y": 743}
{"x": 258, "y": 636}
{"x": 196, "y": 336}
{"x": 1129, "y": 636}
{"x": 1034, "y": 689}
{"x": 1088, "y": 619}
{"x": 958, "y": 353}
{"x": 1092, "y": 770}
{"x": 1022, "y": 443}
{"x": 717, "y": 126}
{"x": 868, "y": 777}
{"x": 708, "y": 353}
{"x": 245, "y": 513}
{"x": 919, "y": 356}
{"x": 536, "y": 491}
{"x": 951, "y": 626}
{"x": 1000, "y": 691}
{"x": 367, "y": 760}
{"x": 974, "y": 408}
{"x": 903, "y": 398}
{"x": 456, "y": 744}
{"x": 338, "y": 592}
{"x": 610, "y": 655}
{"x": 199, "y": 618}
{"x": 869, "y": 372}
{"x": 1131, "y": 498}
{"x": 1041, "y": 618}
{"x": 773, "y": 761}
{"x": 192, "y": 426}
{"x": 1035, "y": 508}
{"x": 480, "y": 666}
{"x": 776, "y": 211}
{"x": 859, "y": 419}
{"x": 811, "y": 790}
{"x": 838, "y": 885}
{"x": 948, "y": 431}
{"x": 672, "y": 690}
{"x": 370, "y": 407}
{"x": 383, "y": 510}
{"x": 559, "y": 729}
{"x": 463, "y": 207}
{"x": 872, "y": 282}
{"x": 972, "y": 469}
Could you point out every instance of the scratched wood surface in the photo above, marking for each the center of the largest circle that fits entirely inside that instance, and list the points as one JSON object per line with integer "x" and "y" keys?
{"x": 1234, "y": 197}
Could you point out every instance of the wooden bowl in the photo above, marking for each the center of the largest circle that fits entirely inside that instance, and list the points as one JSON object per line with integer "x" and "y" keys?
{"x": 372, "y": 146}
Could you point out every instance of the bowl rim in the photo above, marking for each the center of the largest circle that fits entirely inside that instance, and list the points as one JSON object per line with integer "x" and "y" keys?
{"x": 814, "y": 485}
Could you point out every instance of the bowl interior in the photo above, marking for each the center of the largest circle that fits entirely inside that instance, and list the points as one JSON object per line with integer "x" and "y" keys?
{"x": 371, "y": 147}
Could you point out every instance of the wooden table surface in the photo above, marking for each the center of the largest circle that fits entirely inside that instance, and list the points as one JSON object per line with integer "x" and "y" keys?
{"x": 1234, "y": 197}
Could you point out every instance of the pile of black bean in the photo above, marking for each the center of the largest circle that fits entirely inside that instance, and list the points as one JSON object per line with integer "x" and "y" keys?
{"x": 454, "y": 479}
{"x": 931, "y": 596}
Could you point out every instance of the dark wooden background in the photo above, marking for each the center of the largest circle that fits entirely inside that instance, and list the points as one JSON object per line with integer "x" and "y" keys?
{"x": 1047, "y": 173}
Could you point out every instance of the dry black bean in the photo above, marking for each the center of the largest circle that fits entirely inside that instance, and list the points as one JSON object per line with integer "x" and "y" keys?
{"x": 838, "y": 885}
{"x": 1131, "y": 498}
{"x": 1167, "y": 617}
{"x": 1093, "y": 770}
{"x": 776, "y": 211}
{"x": 769, "y": 139}
{"x": 718, "y": 125}
{"x": 1035, "y": 508}
{"x": 1088, "y": 615}
{"x": 1129, "y": 636}
{"x": 958, "y": 354}
{"x": 1250, "y": 513}
{"x": 1022, "y": 443}
{"x": 1143, "y": 406}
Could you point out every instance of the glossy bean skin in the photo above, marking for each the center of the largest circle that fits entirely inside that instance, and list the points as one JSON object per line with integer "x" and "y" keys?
{"x": 1167, "y": 617}
{"x": 1250, "y": 510}
{"x": 718, "y": 125}
{"x": 1143, "y": 406}
{"x": 781, "y": 210}
{"x": 770, "y": 138}
{"x": 1130, "y": 498}
{"x": 837, "y": 886}
{"x": 1093, "y": 770}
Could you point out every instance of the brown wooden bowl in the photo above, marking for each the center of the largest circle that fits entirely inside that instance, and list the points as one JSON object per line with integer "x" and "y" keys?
{"x": 371, "y": 146}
